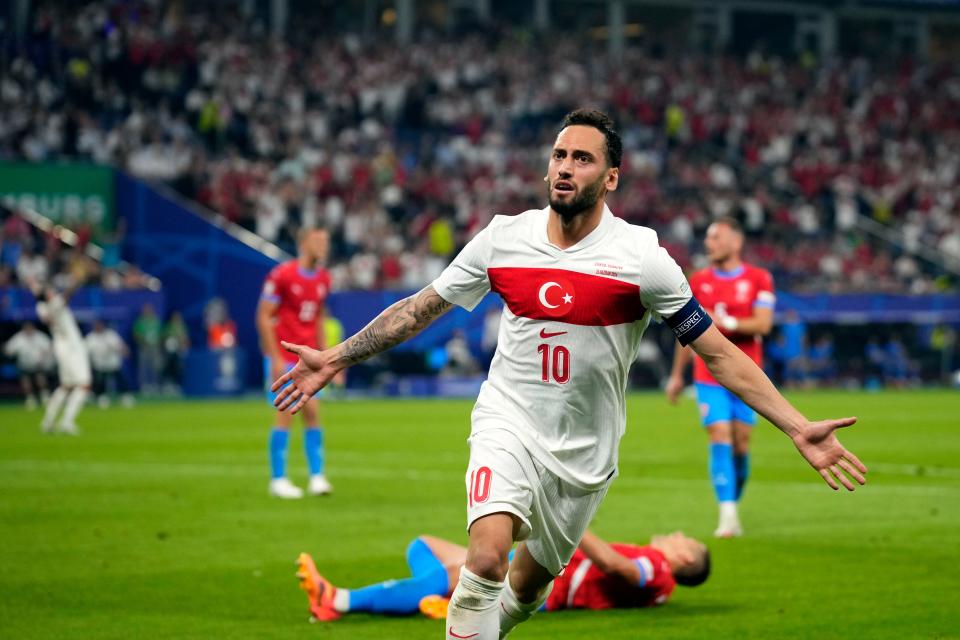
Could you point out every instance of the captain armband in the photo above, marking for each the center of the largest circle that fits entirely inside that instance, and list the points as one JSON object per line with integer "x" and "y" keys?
{"x": 689, "y": 322}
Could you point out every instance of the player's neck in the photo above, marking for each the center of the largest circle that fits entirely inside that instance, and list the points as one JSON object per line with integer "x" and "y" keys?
{"x": 730, "y": 264}
{"x": 305, "y": 262}
{"x": 564, "y": 233}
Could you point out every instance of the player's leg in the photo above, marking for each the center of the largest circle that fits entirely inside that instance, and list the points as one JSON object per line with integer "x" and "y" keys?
{"x": 280, "y": 485}
{"x": 26, "y": 383}
{"x": 40, "y": 383}
{"x": 77, "y": 374}
{"x": 560, "y": 516}
{"x": 75, "y": 401}
{"x": 57, "y": 398}
{"x": 430, "y": 577}
{"x": 741, "y": 453}
{"x": 525, "y": 590}
{"x": 314, "y": 450}
{"x": 473, "y": 611}
{"x": 277, "y": 444}
{"x": 716, "y": 411}
{"x": 716, "y": 416}
{"x": 499, "y": 499}
{"x": 100, "y": 388}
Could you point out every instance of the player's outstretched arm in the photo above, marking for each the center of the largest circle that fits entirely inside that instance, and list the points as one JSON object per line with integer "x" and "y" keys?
{"x": 606, "y": 558}
{"x": 816, "y": 441}
{"x": 395, "y": 324}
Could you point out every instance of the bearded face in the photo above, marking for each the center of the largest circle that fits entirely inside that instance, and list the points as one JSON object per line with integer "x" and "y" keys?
{"x": 569, "y": 201}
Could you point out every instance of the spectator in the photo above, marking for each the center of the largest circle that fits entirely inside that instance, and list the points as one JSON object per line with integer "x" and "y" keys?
{"x": 107, "y": 352}
{"x": 148, "y": 333}
{"x": 221, "y": 329}
{"x": 176, "y": 344}
{"x": 33, "y": 352}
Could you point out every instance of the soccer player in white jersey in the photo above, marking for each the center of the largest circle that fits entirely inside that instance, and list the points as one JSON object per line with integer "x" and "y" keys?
{"x": 32, "y": 350}
{"x": 579, "y": 287}
{"x": 73, "y": 364}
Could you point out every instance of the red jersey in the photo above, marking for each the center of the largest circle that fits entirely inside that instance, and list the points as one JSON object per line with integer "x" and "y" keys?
{"x": 735, "y": 293}
{"x": 582, "y": 586}
{"x": 300, "y": 296}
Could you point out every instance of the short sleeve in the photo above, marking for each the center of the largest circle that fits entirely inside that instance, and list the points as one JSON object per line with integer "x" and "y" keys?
{"x": 765, "y": 293}
{"x": 271, "y": 286}
{"x": 465, "y": 281}
{"x": 663, "y": 288}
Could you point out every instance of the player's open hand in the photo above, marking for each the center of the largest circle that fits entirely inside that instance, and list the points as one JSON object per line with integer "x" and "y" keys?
{"x": 819, "y": 445}
{"x": 674, "y": 388}
{"x": 311, "y": 373}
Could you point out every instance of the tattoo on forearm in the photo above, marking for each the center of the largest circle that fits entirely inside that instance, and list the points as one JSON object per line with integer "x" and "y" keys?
{"x": 395, "y": 324}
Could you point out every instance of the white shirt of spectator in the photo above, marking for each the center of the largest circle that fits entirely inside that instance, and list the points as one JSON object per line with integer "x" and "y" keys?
{"x": 571, "y": 326}
{"x": 32, "y": 350}
{"x": 106, "y": 350}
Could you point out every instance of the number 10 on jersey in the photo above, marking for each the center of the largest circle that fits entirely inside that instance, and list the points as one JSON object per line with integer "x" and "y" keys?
{"x": 555, "y": 363}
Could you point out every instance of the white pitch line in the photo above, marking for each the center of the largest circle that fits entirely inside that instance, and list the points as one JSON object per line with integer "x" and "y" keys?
{"x": 238, "y": 470}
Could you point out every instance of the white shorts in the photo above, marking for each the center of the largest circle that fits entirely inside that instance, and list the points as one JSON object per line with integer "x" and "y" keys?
{"x": 503, "y": 477}
{"x": 73, "y": 365}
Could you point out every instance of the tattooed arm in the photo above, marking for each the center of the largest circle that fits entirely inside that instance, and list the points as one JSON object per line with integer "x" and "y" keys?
{"x": 398, "y": 322}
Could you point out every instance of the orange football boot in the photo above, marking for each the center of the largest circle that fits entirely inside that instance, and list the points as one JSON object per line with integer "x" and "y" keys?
{"x": 319, "y": 590}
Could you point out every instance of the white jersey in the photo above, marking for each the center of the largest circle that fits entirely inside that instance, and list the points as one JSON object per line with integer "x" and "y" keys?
{"x": 63, "y": 326}
{"x": 571, "y": 327}
{"x": 32, "y": 350}
{"x": 106, "y": 350}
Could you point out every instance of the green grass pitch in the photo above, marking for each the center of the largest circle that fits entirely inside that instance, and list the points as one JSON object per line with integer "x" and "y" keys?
{"x": 155, "y": 523}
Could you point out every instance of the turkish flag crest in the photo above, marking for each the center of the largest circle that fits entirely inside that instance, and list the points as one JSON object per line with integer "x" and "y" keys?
{"x": 556, "y": 297}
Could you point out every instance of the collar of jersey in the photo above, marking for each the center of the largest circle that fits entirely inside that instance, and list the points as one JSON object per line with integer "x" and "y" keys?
{"x": 591, "y": 238}
{"x": 727, "y": 275}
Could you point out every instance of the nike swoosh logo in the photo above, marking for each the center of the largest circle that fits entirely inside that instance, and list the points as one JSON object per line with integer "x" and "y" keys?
{"x": 545, "y": 334}
{"x": 457, "y": 635}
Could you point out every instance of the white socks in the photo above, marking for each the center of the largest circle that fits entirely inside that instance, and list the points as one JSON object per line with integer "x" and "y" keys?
{"x": 472, "y": 612}
{"x": 74, "y": 403}
{"x": 341, "y": 600}
{"x": 513, "y": 612}
{"x": 53, "y": 408}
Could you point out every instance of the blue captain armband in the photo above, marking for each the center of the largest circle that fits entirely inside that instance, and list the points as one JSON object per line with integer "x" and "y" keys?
{"x": 690, "y": 322}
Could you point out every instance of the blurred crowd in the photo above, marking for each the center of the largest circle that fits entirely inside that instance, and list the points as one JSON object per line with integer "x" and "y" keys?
{"x": 404, "y": 153}
{"x": 28, "y": 254}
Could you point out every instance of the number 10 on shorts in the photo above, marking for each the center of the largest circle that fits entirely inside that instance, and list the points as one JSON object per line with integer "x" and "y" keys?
{"x": 555, "y": 363}
{"x": 480, "y": 485}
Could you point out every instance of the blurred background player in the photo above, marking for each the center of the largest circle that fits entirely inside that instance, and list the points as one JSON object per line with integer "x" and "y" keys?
{"x": 73, "y": 364}
{"x": 107, "y": 352}
{"x": 33, "y": 352}
{"x": 600, "y": 575}
{"x": 291, "y": 308}
{"x": 740, "y": 298}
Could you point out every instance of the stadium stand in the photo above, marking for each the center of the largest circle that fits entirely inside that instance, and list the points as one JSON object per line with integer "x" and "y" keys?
{"x": 840, "y": 169}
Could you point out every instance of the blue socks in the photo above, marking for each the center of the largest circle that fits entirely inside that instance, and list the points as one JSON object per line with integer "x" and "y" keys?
{"x": 741, "y": 467}
{"x": 278, "y": 452}
{"x": 313, "y": 448}
{"x": 722, "y": 473}
{"x": 399, "y": 596}
{"x": 403, "y": 596}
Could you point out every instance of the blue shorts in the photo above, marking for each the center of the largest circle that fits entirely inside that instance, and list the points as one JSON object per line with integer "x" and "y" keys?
{"x": 268, "y": 380}
{"x": 719, "y": 405}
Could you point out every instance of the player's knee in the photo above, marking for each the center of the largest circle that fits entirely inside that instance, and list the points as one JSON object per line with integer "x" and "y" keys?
{"x": 488, "y": 563}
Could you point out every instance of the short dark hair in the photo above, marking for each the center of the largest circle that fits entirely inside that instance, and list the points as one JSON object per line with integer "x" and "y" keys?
{"x": 696, "y": 574}
{"x": 729, "y": 221}
{"x": 602, "y": 123}
{"x": 303, "y": 232}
